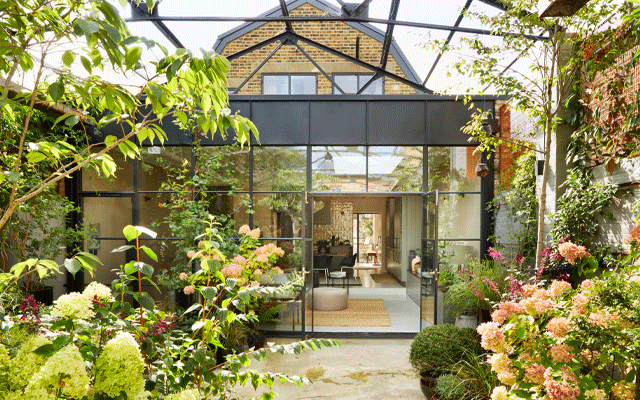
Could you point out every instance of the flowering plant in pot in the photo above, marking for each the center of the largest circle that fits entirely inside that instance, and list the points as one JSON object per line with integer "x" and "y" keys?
{"x": 437, "y": 348}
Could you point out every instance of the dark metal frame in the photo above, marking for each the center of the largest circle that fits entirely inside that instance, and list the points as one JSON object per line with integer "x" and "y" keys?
{"x": 349, "y": 14}
{"x": 358, "y": 75}
{"x": 289, "y": 75}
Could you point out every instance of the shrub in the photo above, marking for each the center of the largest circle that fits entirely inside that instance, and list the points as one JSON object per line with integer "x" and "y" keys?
{"x": 450, "y": 387}
{"x": 437, "y": 348}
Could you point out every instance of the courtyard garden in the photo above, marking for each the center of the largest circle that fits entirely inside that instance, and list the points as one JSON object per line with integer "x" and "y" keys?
{"x": 559, "y": 308}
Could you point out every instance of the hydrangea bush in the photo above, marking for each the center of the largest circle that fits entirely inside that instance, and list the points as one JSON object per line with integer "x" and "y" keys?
{"x": 95, "y": 345}
{"x": 561, "y": 343}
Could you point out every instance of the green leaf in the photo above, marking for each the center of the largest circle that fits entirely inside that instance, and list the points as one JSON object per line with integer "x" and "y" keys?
{"x": 71, "y": 121}
{"x": 209, "y": 292}
{"x": 132, "y": 56}
{"x": 200, "y": 356}
{"x": 147, "y": 231}
{"x": 155, "y": 89}
{"x": 36, "y": 157}
{"x": 68, "y": 58}
{"x": 122, "y": 248}
{"x": 87, "y": 27}
{"x": 72, "y": 265}
{"x": 45, "y": 350}
{"x": 149, "y": 253}
{"x": 1, "y": 177}
{"x": 61, "y": 341}
{"x": 631, "y": 376}
{"x": 56, "y": 91}
{"x": 146, "y": 301}
{"x": 12, "y": 176}
{"x": 86, "y": 63}
{"x": 143, "y": 268}
{"x": 130, "y": 232}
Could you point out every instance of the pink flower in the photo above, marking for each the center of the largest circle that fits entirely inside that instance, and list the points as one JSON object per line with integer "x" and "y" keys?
{"x": 561, "y": 353}
{"x": 499, "y": 393}
{"x": 191, "y": 253}
{"x": 505, "y": 311}
{"x": 559, "y": 287}
{"x": 634, "y": 234}
{"x": 495, "y": 254}
{"x": 262, "y": 258}
{"x": 183, "y": 276}
{"x": 278, "y": 271}
{"x": 258, "y": 272}
{"x": 503, "y": 366}
{"x": 244, "y": 229}
{"x": 558, "y": 327}
{"x": 535, "y": 374}
{"x": 492, "y": 337}
{"x": 254, "y": 233}
{"x": 188, "y": 290}
{"x": 561, "y": 386}
{"x": 240, "y": 260}
{"x": 571, "y": 251}
{"x": 254, "y": 284}
{"x": 586, "y": 284}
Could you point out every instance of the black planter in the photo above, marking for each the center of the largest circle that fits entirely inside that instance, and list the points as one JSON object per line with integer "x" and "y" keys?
{"x": 42, "y": 296}
{"x": 428, "y": 387}
{"x": 184, "y": 300}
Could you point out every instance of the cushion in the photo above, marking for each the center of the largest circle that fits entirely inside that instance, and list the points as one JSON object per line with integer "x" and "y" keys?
{"x": 327, "y": 299}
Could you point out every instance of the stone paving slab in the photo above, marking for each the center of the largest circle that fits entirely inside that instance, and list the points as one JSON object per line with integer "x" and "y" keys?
{"x": 371, "y": 369}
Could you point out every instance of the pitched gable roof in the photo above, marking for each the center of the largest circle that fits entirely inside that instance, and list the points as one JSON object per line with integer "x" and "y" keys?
{"x": 322, "y": 5}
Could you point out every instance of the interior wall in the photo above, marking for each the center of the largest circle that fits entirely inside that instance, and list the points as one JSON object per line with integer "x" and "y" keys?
{"x": 411, "y": 230}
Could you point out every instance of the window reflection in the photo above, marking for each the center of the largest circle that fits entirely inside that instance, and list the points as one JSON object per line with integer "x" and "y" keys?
{"x": 339, "y": 168}
{"x": 452, "y": 169}
{"x": 279, "y": 168}
{"x": 395, "y": 169}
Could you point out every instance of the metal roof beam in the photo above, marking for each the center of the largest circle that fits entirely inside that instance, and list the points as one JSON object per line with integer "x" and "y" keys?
{"x": 345, "y": 9}
{"x": 362, "y": 6}
{"x": 315, "y": 64}
{"x": 285, "y": 13}
{"x": 363, "y": 64}
{"x": 435, "y": 27}
{"x": 369, "y": 82}
{"x": 140, "y": 12}
{"x": 494, "y": 3}
{"x": 258, "y": 67}
{"x": 257, "y": 46}
{"x": 388, "y": 36}
{"x": 451, "y": 33}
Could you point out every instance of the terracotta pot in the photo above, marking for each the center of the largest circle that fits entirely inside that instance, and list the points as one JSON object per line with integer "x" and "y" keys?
{"x": 428, "y": 387}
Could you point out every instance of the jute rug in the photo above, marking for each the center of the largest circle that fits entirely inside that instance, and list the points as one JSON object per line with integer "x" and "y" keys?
{"x": 359, "y": 312}
{"x": 383, "y": 278}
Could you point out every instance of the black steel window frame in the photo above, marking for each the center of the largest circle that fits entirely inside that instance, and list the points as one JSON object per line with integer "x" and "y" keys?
{"x": 358, "y": 75}
{"x": 288, "y": 75}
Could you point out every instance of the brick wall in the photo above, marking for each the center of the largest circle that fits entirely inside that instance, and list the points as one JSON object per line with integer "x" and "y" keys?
{"x": 334, "y": 34}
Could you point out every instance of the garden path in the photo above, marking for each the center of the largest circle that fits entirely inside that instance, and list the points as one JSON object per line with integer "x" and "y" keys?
{"x": 371, "y": 369}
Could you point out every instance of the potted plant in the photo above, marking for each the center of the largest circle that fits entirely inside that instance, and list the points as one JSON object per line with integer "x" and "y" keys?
{"x": 437, "y": 348}
{"x": 450, "y": 387}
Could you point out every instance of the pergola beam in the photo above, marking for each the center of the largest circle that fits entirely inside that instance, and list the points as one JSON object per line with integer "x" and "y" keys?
{"x": 252, "y": 48}
{"x": 456, "y": 24}
{"x": 435, "y": 27}
{"x": 362, "y": 6}
{"x": 315, "y": 64}
{"x": 388, "y": 36}
{"x": 258, "y": 67}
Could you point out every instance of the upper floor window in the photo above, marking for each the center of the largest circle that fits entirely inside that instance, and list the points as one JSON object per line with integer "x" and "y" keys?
{"x": 289, "y": 84}
{"x": 351, "y": 83}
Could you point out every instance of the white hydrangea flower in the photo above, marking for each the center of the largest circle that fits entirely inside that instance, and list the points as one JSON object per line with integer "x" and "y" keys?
{"x": 119, "y": 368}
{"x": 189, "y": 394}
{"x": 26, "y": 362}
{"x": 102, "y": 292}
{"x": 73, "y": 306}
{"x": 64, "y": 372}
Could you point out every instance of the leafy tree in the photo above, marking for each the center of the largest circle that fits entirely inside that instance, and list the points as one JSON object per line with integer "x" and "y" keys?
{"x": 541, "y": 91}
{"x": 65, "y": 50}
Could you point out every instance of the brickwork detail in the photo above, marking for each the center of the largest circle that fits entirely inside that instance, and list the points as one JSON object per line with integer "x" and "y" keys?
{"x": 289, "y": 59}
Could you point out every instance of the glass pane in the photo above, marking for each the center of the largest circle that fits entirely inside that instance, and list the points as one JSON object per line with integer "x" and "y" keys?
{"x": 303, "y": 84}
{"x": 108, "y": 215}
{"x": 102, "y": 249}
{"x": 158, "y": 164}
{"x": 375, "y": 87}
{"x": 395, "y": 169}
{"x": 453, "y": 254}
{"x": 92, "y": 181}
{"x": 275, "y": 84}
{"x": 278, "y": 214}
{"x": 429, "y": 227}
{"x": 459, "y": 216}
{"x": 224, "y": 167}
{"x": 154, "y": 209}
{"x": 163, "y": 275}
{"x": 348, "y": 83}
{"x": 279, "y": 168}
{"x": 339, "y": 168}
{"x": 452, "y": 169}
